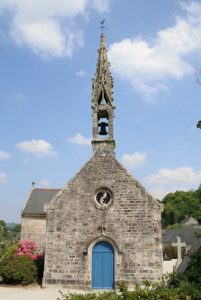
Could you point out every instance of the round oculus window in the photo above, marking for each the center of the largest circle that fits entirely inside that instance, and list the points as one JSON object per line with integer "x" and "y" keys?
{"x": 103, "y": 198}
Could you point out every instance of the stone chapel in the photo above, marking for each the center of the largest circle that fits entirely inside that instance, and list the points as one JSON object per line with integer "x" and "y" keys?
{"x": 102, "y": 228}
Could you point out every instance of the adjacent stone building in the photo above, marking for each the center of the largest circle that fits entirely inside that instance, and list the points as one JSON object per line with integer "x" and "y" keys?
{"x": 33, "y": 224}
{"x": 102, "y": 228}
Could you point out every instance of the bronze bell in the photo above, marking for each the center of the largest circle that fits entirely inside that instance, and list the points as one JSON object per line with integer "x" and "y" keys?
{"x": 103, "y": 126}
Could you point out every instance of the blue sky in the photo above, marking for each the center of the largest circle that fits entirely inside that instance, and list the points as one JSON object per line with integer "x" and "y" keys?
{"x": 48, "y": 54}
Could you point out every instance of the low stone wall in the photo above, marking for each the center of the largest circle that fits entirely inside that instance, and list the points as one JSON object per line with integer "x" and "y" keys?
{"x": 168, "y": 265}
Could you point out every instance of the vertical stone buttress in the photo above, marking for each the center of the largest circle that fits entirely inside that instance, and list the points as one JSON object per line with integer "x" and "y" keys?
{"x": 103, "y": 102}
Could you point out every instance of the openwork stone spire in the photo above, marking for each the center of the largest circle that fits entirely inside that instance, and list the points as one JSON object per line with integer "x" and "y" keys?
{"x": 102, "y": 101}
{"x": 103, "y": 81}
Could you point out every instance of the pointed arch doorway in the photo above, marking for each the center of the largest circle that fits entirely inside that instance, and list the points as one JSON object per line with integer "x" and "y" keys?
{"x": 103, "y": 266}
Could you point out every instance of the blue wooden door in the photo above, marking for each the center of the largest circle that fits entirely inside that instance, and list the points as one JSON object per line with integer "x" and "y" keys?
{"x": 103, "y": 266}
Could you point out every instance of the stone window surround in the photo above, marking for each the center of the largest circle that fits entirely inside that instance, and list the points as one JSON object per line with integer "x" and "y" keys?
{"x": 99, "y": 206}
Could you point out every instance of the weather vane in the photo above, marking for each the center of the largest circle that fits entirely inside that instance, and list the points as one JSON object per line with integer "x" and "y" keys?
{"x": 102, "y": 25}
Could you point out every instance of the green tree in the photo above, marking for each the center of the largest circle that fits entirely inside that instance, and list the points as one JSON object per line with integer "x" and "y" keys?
{"x": 9, "y": 234}
{"x": 3, "y": 229}
{"x": 197, "y": 193}
{"x": 16, "y": 228}
{"x": 14, "y": 233}
{"x": 179, "y": 204}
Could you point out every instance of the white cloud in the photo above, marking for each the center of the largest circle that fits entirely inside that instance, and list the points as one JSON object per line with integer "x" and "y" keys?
{"x": 160, "y": 192}
{"x": 39, "y": 148}
{"x": 81, "y": 73}
{"x": 79, "y": 139}
{"x": 184, "y": 175}
{"x": 4, "y": 155}
{"x": 172, "y": 180}
{"x": 45, "y": 183}
{"x": 147, "y": 64}
{"x": 101, "y": 5}
{"x": 47, "y": 27}
{"x": 3, "y": 178}
{"x": 136, "y": 159}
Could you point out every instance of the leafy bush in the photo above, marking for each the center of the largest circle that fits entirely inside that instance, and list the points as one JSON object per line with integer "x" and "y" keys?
{"x": 21, "y": 264}
{"x": 9, "y": 253}
{"x": 189, "y": 283}
{"x": 112, "y": 295}
{"x": 193, "y": 273}
{"x": 172, "y": 287}
{"x": 158, "y": 291}
{"x": 18, "y": 269}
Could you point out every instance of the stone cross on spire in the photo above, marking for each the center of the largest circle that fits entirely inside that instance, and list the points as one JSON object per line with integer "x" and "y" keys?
{"x": 102, "y": 25}
{"x": 102, "y": 100}
{"x": 179, "y": 246}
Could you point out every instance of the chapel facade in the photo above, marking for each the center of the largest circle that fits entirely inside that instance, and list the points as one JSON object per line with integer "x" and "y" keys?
{"x": 102, "y": 228}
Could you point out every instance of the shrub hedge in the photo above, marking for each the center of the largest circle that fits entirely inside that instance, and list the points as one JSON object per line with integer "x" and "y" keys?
{"x": 18, "y": 269}
{"x": 149, "y": 292}
{"x": 171, "y": 287}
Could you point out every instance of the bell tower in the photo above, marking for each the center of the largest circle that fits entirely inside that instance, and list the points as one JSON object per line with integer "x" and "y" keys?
{"x": 102, "y": 101}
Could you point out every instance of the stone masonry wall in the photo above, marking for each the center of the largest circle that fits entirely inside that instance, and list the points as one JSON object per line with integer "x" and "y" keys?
{"x": 34, "y": 228}
{"x": 132, "y": 226}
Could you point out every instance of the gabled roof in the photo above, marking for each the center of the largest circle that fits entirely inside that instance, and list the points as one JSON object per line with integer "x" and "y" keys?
{"x": 189, "y": 221}
{"x": 188, "y": 235}
{"x": 99, "y": 157}
{"x": 37, "y": 198}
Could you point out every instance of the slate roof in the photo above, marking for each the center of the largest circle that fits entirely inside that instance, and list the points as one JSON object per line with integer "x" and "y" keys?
{"x": 185, "y": 261}
{"x": 187, "y": 235}
{"x": 37, "y": 199}
{"x": 189, "y": 221}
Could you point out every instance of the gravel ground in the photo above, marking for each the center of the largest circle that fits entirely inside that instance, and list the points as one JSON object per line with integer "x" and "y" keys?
{"x": 31, "y": 293}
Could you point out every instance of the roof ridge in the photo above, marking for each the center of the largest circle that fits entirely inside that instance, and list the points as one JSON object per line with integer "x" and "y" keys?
{"x": 47, "y": 189}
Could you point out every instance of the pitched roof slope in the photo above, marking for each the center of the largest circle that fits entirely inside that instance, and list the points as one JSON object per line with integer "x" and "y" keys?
{"x": 187, "y": 235}
{"x": 189, "y": 221}
{"x": 37, "y": 199}
{"x": 100, "y": 157}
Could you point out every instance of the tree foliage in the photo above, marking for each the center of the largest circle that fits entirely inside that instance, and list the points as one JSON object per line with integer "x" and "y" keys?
{"x": 180, "y": 204}
{"x": 9, "y": 234}
{"x": 16, "y": 228}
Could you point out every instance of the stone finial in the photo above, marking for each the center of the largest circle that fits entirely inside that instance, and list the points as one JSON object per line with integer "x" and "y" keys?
{"x": 33, "y": 184}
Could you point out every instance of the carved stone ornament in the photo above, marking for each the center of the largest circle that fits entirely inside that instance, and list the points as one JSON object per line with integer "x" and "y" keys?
{"x": 103, "y": 198}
